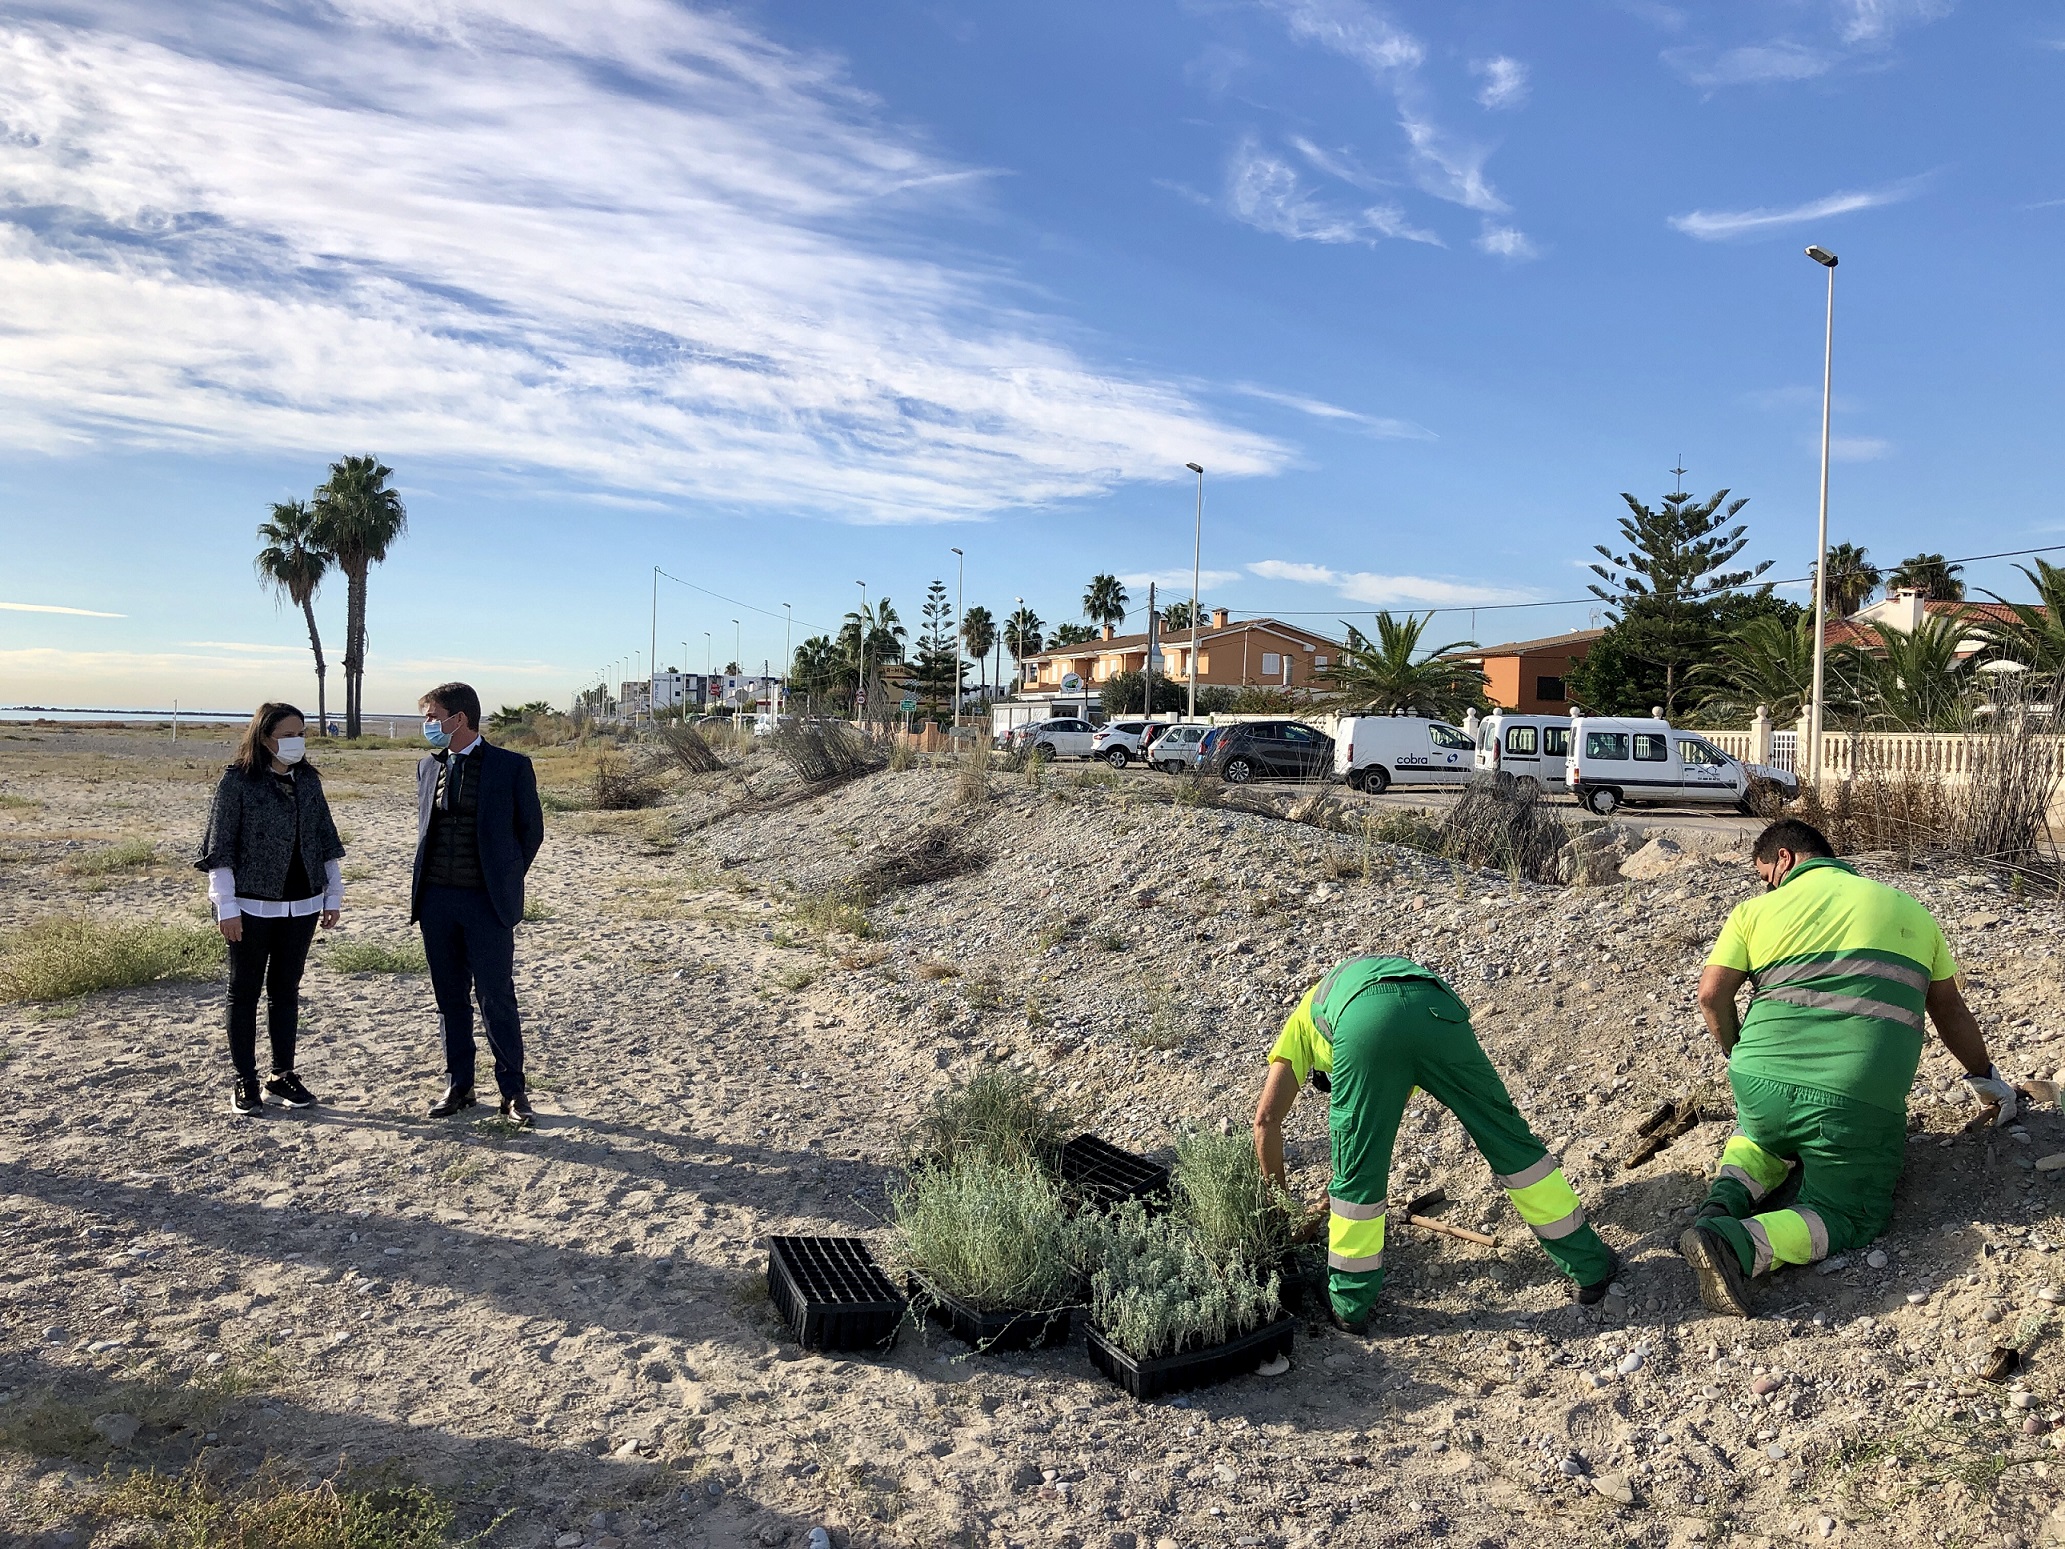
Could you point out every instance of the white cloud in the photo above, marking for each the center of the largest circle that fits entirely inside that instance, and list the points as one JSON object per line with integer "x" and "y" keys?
{"x": 1505, "y": 81}
{"x": 1755, "y": 64}
{"x": 1872, "y": 21}
{"x": 1852, "y": 31}
{"x": 1386, "y": 590}
{"x": 51, "y": 607}
{"x": 628, "y": 243}
{"x": 1716, "y": 225}
{"x": 1383, "y": 429}
{"x": 1858, "y": 449}
{"x": 1265, "y": 191}
{"x": 1505, "y": 241}
{"x": 1171, "y": 583}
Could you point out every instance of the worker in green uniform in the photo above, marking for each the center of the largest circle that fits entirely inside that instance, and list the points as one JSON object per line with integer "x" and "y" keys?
{"x": 1368, "y": 1034}
{"x": 1842, "y": 970}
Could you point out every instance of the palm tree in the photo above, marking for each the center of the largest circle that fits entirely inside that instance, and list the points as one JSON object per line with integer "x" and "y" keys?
{"x": 979, "y": 634}
{"x": 358, "y": 516}
{"x": 1105, "y": 600}
{"x": 820, "y": 670}
{"x": 2035, "y": 636}
{"x": 1394, "y": 673}
{"x": 1934, "y": 577}
{"x": 1176, "y": 616}
{"x": 1852, "y": 578}
{"x": 1770, "y": 662}
{"x": 875, "y": 631}
{"x": 293, "y": 565}
{"x": 1919, "y": 683}
{"x": 1022, "y": 636}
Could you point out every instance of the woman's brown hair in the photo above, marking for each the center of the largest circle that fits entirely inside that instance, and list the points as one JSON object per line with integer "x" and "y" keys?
{"x": 252, "y": 757}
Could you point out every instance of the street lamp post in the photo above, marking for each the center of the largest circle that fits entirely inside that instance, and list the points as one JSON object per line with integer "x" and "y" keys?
{"x": 1197, "y": 551}
{"x": 1827, "y": 260}
{"x": 788, "y": 655}
{"x": 860, "y": 694}
{"x": 738, "y": 653}
{"x": 960, "y": 590}
{"x": 652, "y": 715}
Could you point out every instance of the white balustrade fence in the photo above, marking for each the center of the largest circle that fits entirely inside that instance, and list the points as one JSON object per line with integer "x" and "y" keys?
{"x": 1951, "y": 756}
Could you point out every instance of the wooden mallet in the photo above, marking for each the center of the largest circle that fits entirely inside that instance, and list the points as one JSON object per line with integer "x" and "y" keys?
{"x": 1433, "y": 1199}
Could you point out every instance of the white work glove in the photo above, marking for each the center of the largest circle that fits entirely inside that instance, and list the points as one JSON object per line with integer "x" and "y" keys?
{"x": 1995, "y": 1088}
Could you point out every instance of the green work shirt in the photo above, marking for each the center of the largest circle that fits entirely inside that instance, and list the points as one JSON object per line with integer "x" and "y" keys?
{"x": 1841, "y": 967}
{"x": 1307, "y": 1039}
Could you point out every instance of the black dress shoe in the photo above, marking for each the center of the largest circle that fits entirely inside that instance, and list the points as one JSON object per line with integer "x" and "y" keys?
{"x": 456, "y": 1099}
{"x": 517, "y": 1110}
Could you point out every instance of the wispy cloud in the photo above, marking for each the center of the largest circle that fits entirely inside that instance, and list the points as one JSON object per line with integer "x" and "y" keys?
{"x": 1872, "y": 21}
{"x": 1716, "y": 225}
{"x": 1320, "y": 409}
{"x": 1504, "y": 242}
{"x": 1505, "y": 81}
{"x": 1385, "y": 590}
{"x": 51, "y": 607}
{"x": 1264, "y": 191}
{"x": 634, "y": 245}
{"x": 1819, "y": 37}
{"x": 1172, "y": 582}
{"x": 1755, "y": 64}
{"x": 1859, "y": 449}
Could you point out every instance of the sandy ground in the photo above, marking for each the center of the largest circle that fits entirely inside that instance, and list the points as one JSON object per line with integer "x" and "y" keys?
{"x": 568, "y": 1331}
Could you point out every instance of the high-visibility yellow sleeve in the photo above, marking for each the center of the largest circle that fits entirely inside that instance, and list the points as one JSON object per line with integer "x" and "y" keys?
{"x": 1300, "y": 1044}
{"x": 1732, "y": 947}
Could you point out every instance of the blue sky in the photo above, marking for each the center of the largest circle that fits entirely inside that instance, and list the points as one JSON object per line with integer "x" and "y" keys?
{"x": 786, "y": 297}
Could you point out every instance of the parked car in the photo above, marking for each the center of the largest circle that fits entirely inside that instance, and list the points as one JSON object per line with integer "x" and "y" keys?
{"x": 1528, "y": 747}
{"x": 767, "y": 723}
{"x": 1375, "y": 752}
{"x": 1060, "y": 737}
{"x": 1623, "y": 759}
{"x": 1270, "y": 750}
{"x": 1118, "y": 743}
{"x": 1177, "y": 749}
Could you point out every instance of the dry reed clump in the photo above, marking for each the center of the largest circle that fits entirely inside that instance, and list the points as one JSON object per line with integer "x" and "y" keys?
{"x": 971, "y": 775}
{"x": 819, "y": 751}
{"x": 930, "y": 855}
{"x": 687, "y": 748}
{"x": 1001, "y": 1115}
{"x": 624, "y": 787}
{"x": 72, "y": 955}
{"x": 993, "y": 1233}
{"x": 1501, "y": 825}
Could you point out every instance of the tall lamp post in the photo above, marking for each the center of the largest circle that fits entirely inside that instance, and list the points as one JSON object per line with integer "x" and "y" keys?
{"x": 788, "y": 655}
{"x": 1197, "y": 551}
{"x": 960, "y": 588}
{"x": 860, "y": 694}
{"x": 1827, "y": 260}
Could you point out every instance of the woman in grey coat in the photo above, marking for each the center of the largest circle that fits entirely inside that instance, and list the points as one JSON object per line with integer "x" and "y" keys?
{"x": 272, "y": 857}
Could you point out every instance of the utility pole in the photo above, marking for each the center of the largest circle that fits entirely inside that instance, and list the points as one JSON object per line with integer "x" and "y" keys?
{"x": 788, "y": 656}
{"x": 1147, "y": 674}
{"x": 652, "y": 715}
{"x": 960, "y": 587}
{"x": 860, "y": 694}
{"x": 1196, "y": 560}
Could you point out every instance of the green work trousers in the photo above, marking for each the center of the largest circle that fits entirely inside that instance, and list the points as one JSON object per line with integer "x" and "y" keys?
{"x": 1849, "y": 1155}
{"x": 1404, "y": 1033}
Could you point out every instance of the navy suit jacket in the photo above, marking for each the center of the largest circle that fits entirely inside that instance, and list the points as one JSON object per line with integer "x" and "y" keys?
{"x": 512, "y": 827}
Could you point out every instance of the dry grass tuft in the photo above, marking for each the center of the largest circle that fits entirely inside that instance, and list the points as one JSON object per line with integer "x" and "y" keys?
{"x": 73, "y": 955}
{"x": 277, "y": 1509}
{"x": 935, "y": 969}
{"x": 129, "y": 855}
{"x": 819, "y": 751}
{"x": 1501, "y": 825}
{"x": 624, "y": 787}
{"x": 930, "y": 855}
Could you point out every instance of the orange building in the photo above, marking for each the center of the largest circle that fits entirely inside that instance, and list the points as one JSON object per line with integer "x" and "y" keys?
{"x": 1252, "y": 653}
{"x": 1533, "y": 676}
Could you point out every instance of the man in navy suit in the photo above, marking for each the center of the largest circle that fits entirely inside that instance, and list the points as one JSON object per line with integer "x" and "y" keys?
{"x": 478, "y": 828}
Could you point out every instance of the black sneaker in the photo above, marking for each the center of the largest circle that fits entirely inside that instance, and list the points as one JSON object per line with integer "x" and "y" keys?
{"x": 1722, "y": 1284}
{"x": 245, "y": 1101}
{"x": 287, "y": 1087}
{"x": 1595, "y": 1293}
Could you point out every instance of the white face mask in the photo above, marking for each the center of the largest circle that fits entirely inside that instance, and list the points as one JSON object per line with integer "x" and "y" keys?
{"x": 291, "y": 749}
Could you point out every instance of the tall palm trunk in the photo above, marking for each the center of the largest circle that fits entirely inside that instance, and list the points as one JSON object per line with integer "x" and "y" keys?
{"x": 354, "y": 646}
{"x": 315, "y": 644}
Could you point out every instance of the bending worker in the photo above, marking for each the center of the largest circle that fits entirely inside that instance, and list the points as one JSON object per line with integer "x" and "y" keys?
{"x": 1369, "y": 1033}
{"x": 1842, "y": 969}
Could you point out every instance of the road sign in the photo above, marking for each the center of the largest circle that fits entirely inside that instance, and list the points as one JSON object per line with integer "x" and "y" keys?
{"x": 909, "y": 704}
{"x": 1071, "y": 682}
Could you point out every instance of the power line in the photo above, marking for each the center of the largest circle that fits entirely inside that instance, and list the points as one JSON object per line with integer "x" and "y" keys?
{"x": 1571, "y": 602}
{"x": 749, "y": 607}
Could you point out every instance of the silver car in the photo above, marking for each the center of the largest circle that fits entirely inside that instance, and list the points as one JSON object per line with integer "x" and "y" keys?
{"x": 1175, "y": 750}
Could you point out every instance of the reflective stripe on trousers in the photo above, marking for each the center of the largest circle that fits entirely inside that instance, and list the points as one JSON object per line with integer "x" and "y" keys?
{"x": 1757, "y": 1170}
{"x": 1354, "y": 1235}
{"x": 1545, "y": 1199}
{"x": 1787, "y": 1237}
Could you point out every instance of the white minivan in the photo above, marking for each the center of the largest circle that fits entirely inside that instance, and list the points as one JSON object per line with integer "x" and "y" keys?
{"x": 1374, "y": 752}
{"x": 1528, "y": 747}
{"x": 1617, "y": 759}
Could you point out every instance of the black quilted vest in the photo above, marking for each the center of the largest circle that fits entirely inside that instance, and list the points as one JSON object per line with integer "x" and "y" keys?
{"x": 451, "y": 856}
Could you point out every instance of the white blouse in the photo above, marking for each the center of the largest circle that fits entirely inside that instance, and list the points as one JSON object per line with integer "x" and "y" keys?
{"x": 222, "y": 897}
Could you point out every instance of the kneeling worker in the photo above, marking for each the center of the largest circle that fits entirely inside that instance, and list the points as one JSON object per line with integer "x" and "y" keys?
{"x": 1842, "y": 970}
{"x": 1376, "y": 1028}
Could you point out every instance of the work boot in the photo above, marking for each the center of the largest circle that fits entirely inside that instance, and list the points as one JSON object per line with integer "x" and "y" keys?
{"x": 1722, "y": 1284}
{"x": 1595, "y": 1293}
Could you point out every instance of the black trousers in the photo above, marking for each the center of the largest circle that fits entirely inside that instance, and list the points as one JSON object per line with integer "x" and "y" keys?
{"x": 270, "y": 957}
{"x": 473, "y": 955}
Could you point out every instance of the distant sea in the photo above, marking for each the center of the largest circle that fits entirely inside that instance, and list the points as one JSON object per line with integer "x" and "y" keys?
{"x": 406, "y": 718}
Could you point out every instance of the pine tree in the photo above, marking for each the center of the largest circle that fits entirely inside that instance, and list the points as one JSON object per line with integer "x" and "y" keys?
{"x": 1665, "y": 597}
{"x": 939, "y": 667}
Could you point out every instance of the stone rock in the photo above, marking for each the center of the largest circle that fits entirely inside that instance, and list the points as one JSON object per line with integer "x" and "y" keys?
{"x": 1876, "y": 1258}
{"x": 1764, "y": 1385}
{"x": 117, "y": 1430}
{"x": 2055, "y": 1162}
{"x": 567, "y": 1541}
{"x": 820, "y": 1539}
{"x": 1615, "y": 1487}
{"x": 1630, "y": 1363}
{"x": 1658, "y": 858}
{"x": 1274, "y": 1367}
{"x": 1571, "y": 1468}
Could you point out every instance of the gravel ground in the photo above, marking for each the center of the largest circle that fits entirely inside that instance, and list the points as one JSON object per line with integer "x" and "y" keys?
{"x": 568, "y": 1331}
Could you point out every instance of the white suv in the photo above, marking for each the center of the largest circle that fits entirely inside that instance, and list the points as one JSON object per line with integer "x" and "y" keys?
{"x": 1062, "y": 737}
{"x": 1118, "y": 742}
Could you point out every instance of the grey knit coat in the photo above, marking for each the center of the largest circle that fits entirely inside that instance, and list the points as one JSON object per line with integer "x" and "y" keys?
{"x": 251, "y": 831}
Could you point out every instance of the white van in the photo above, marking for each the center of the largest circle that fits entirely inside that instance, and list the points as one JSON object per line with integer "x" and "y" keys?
{"x": 1617, "y": 759}
{"x": 1375, "y": 752}
{"x": 1528, "y": 747}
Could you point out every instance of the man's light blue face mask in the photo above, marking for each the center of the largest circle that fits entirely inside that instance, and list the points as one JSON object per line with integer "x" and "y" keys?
{"x": 435, "y": 734}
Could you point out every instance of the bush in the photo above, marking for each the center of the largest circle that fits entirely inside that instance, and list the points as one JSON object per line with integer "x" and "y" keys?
{"x": 824, "y": 750}
{"x": 274, "y": 1509}
{"x": 1155, "y": 1291}
{"x": 1501, "y": 825}
{"x": 73, "y": 955}
{"x": 841, "y": 910}
{"x": 624, "y": 787}
{"x": 377, "y": 957}
{"x": 1235, "y": 1213}
{"x": 993, "y": 1234}
{"x": 1002, "y": 1115}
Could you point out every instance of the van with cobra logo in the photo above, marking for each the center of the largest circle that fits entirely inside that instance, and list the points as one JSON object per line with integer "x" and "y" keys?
{"x": 1372, "y": 753}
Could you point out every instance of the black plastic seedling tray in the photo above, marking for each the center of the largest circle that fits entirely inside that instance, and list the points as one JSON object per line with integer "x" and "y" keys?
{"x": 831, "y": 1293}
{"x": 1102, "y": 1175}
{"x": 992, "y": 1330}
{"x": 1193, "y": 1368}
